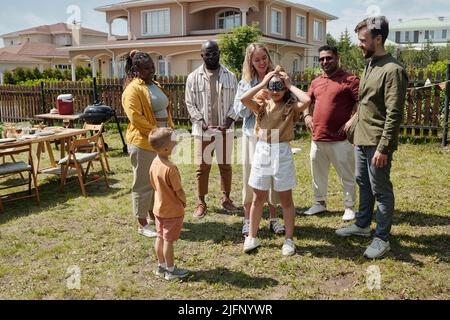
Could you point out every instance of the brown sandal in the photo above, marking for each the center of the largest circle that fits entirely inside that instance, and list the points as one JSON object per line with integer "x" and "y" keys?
{"x": 200, "y": 211}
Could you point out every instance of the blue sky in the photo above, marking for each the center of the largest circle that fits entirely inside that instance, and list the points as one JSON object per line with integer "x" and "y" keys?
{"x": 21, "y": 14}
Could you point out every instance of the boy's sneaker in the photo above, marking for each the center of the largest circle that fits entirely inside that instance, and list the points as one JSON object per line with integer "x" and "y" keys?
{"x": 349, "y": 214}
{"x": 246, "y": 228}
{"x": 147, "y": 231}
{"x": 160, "y": 272}
{"x": 176, "y": 274}
{"x": 315, "y": 209}
{"x": 251, "y": 244}
{"x": 288, "y": 248}
{"x": 353, "y": 230}
{"x": 377, "y": 249}
{"x": 276, "y": 227}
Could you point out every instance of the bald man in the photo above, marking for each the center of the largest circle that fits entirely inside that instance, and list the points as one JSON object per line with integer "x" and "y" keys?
{"x": 210, "y": 93}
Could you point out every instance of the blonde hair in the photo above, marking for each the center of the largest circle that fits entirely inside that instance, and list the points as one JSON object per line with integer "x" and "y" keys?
{"x": 160, "y": 137}
{"x": 249, "y": 71}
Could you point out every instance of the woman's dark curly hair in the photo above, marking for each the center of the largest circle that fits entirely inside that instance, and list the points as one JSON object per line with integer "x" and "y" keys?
{"x": 134, "y": 61}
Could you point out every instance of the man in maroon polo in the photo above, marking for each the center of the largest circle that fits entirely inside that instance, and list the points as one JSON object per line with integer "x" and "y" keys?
{"x": 335, "y": 98}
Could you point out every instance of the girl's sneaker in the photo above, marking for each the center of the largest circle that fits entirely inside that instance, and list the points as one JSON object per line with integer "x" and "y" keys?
{"x": 288, "y": 248}
{"x": 276, "y": 227}
{"x": 251, "y": 244}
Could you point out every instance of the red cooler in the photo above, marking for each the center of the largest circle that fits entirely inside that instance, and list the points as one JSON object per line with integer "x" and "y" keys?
{"x": 64, "y": 104}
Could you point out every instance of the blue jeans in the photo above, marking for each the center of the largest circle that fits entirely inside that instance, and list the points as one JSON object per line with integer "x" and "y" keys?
{"x": 374, "y": 184}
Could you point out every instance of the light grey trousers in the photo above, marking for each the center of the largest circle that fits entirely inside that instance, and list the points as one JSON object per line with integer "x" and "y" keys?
{"x": 142, "y": 193}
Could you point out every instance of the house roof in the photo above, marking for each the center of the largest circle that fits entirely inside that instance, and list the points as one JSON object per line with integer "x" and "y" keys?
{"x": 138, "y": 3}
{"x": 53, "y": 29}
{"x": 31, "y": 52}
{"x": 14, "y": 58}
{"x": 421, "y": 24}
{"x": 168, "y": 42}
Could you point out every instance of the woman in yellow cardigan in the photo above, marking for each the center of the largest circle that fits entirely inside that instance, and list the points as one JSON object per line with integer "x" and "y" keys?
{"x": 147, "y": 106}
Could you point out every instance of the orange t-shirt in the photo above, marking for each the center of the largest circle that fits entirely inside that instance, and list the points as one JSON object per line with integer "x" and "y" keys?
{"x": 166, "y": 181}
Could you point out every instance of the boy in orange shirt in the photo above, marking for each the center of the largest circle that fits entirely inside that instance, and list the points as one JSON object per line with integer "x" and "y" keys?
{"x": 170, "y": 203}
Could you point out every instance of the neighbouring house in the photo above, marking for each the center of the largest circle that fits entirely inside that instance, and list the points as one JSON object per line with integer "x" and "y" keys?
{"x": 172, "y": 31}
{"x": 37, "y": 47}
{"x": 418, "y": 32}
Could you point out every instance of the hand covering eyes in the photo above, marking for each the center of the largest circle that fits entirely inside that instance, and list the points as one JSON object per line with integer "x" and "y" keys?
{"x": 276, "y": 86}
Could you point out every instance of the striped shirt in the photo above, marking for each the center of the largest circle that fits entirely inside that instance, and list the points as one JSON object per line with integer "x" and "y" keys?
{"x": 198, "y": 98}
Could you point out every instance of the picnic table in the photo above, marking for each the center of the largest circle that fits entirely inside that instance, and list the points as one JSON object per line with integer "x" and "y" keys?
{"x": 43, "y": 140}
{"x": 51, "y": 117}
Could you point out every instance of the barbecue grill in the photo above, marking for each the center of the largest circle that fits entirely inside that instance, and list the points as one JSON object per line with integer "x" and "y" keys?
{"x": 99, "y": 113}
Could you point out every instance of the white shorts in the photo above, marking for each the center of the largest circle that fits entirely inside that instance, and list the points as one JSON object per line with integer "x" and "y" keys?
{"x": 273, "y": 165}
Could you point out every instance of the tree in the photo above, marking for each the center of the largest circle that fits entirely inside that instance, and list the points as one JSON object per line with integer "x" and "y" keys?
{"x": 331, "y": 41}
{"x": 29, "y": 75}
{"x": 234, "y": 43}
{"x": 36, "y": 73}
{"x": 57, "y": 74}
{"x": 67, "y": 75}
{"x": 351, "y": 56}
{"x": 444, "y": 53}
{"x": 80, "y": 73}
{"x": 8, "y": 78}
{"x": 47, "y": 74}
{"x": 19, "y": 75}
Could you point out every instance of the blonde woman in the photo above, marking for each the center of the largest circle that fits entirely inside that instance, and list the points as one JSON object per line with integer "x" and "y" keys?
{"x": 257, "y": 65}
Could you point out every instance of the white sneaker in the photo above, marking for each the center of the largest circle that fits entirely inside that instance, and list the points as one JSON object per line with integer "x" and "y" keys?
{"x": 377, "y": 249}
{"x": 288, "y": 248}
{"x": 349, "y": 214}
{"x": 251, "y": 244}
{"x": 147, "y": 231}
{"x": 353, "y": 230}
{"x": 315, "y": 209}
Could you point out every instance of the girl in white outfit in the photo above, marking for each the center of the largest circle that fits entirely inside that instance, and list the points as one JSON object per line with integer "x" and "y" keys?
{"x": 273, "y": 164}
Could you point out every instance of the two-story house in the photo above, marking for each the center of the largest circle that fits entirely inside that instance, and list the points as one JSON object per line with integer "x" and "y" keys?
{"x": 36, "y": 47}
{"x": 172, "y": 31}
{"x": 417, "y": 32}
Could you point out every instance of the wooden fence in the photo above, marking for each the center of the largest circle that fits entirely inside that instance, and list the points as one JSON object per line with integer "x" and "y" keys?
{"x": 423, "y": 111}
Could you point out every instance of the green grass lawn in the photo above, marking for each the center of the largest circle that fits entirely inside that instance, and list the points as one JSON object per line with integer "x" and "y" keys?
{"x": 39, "y": 245}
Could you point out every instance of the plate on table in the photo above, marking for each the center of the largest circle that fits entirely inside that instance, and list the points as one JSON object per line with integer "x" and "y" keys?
{"x": 7, "y": 140}
{"x": 45, "y": 133}
{"x": 29, "y": 136}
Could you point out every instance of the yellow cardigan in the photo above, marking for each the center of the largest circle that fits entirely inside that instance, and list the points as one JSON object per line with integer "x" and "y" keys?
{"x": 137, "y": 103}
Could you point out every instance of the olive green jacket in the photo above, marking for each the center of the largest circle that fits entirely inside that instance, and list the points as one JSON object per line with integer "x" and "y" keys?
{"x": 382, "y": 95}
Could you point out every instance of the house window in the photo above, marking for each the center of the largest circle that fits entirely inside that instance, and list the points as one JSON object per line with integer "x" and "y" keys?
{"x": 444, "y": 34}
{"x": 156, "y": 22}
{"x": 429, "y": 34}
{"x": 63, "y": 66}
{"x": 301, "y": 26}
{"x": 407, "y": 36}
{"x": 295, "y": 67}
{"x": 12, "y": 42}
{"x": 397, "y": 36}
{"x": 318, "y": 30}
{"x": 276, "y": 21}
{"x": 229, "y": 19}
{"x": 162, "y": 67}
{"x": 316, "y": 62}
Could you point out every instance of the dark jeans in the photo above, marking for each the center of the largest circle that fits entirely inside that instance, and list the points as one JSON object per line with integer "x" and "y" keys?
{"x": 374, "y": 184}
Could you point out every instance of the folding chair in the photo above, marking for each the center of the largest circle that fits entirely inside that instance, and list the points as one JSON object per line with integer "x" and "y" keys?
{"x": 99, "y": 128}
{"x": 76, "y": 159}
{"x": 17, "y": 167}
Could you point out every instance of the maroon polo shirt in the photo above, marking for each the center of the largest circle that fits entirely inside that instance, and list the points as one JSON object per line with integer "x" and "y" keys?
{"x": 334, "y": 98}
